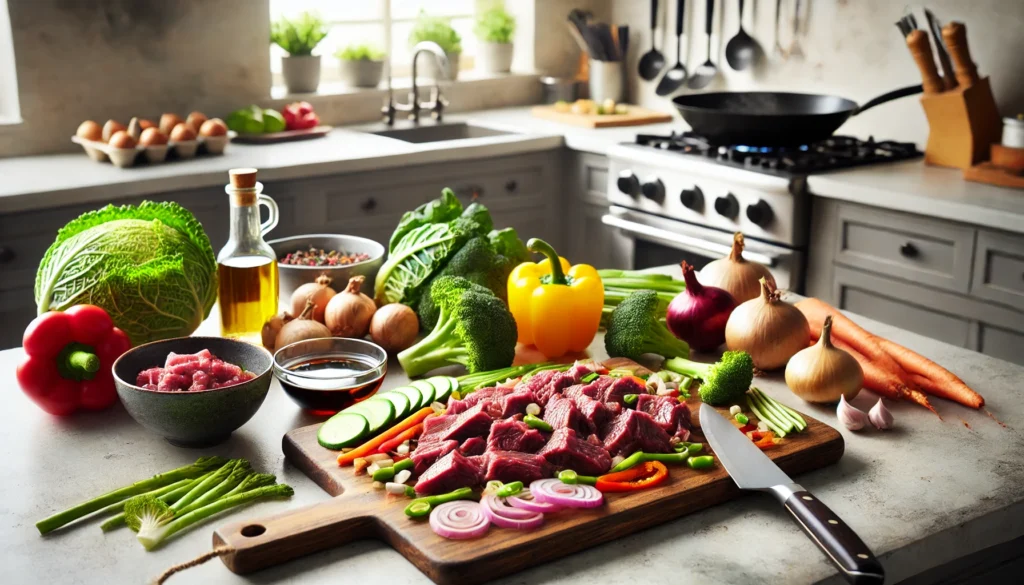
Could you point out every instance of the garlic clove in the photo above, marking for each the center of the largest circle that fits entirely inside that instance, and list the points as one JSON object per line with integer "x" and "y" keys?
{"x": 880, "y": 416}
{"x": 850, "y": 416}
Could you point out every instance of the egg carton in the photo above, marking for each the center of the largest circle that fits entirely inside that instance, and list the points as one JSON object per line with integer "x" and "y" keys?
{"x": 129, "y": 157}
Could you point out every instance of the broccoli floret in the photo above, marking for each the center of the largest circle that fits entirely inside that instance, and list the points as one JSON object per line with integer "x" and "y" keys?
{"x": 723, "y": 382}
{"x": 474, "y": 329}
{"x": 428, "y": 311}
{"x": 478, "y": 263}
{"x": 635, "y": 328}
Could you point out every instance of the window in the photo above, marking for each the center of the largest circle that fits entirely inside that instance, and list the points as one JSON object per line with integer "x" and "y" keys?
{"x": 9, "y": 110}
{"x": 383, "y": 23}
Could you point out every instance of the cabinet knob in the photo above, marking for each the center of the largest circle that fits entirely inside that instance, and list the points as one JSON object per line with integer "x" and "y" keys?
{"x": 471, "y": 192}
{"x": 908, "y": 250}
{"x": 369, "y": 205}
{"x": 511, "y": 186}
{"x": 6, "y": 254}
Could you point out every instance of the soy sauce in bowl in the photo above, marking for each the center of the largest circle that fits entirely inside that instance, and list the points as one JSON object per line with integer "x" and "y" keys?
{"x": 327, "y": 375}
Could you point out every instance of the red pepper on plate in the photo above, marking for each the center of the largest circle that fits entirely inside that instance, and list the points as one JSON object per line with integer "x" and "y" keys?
{"x": 69, "y": 359}
{"x": 647, "y": 474}
{"x": 300, "y": 116}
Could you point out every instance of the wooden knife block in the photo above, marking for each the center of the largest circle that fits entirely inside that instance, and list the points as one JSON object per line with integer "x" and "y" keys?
{"x": 962, "y": 123}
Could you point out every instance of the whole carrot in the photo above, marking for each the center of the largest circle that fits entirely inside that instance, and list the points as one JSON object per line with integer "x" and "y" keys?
{"x": 372, "y": 445}
{"x": 931, "y": 377}
{"x": 846, "y": 330}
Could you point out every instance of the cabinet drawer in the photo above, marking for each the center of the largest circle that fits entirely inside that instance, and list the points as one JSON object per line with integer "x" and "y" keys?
{"x": 999, "y": 269}
{"x": 18, "y": 310}
{"x": 926, "y": 251}
{"x": 592, "y": 178}
{"x": 1002, "y": 343}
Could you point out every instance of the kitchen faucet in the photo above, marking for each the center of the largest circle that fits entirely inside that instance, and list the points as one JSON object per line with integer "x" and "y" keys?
{"x": 437, "y": 102}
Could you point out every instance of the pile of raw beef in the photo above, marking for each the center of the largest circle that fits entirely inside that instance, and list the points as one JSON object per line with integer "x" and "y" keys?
{"x": 482, "y": 437}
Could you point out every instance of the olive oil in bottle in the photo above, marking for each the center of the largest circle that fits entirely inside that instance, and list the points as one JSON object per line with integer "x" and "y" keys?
{"x": 247, "y": 266}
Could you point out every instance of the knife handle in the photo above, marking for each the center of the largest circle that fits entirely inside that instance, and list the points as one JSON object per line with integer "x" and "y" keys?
{"x": 955, "y": 35}
{"x": 921, "y": 50}
{"x": 842, "y": 545}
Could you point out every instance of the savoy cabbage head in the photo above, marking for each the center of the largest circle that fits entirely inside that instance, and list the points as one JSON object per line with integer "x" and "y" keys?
{"x": 151, "y": 267}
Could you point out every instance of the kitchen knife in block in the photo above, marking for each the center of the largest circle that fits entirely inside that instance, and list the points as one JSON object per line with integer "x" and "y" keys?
{"x": 751, "y": 469}
{"x": 955, "y": 35}
{"x": 921, "y": 50}
{"x": 948, "y": 76}
{"x": 962, "y": 124}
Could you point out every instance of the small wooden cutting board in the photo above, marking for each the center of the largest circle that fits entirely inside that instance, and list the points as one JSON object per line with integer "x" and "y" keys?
{"x": 361, "y": 512}
{"x": 635, "y": 116}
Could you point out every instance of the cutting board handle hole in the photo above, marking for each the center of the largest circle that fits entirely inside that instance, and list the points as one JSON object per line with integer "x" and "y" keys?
{"x": 253, "y": 530}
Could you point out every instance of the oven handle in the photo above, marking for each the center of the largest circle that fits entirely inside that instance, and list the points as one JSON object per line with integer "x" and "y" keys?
{"x": 688, "y": 243}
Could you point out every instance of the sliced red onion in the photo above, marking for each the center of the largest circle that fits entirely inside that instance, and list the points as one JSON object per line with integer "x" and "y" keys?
{"x": 459, "y": 520}
{"x": 502, "y": 508}
{"x": 529, "y": 522}
{"x": 526, "y": 501}
{"x": 554, "y": 491}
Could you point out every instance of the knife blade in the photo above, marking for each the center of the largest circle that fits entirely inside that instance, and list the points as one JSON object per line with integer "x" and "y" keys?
{"x": 751, "y": 469}
{"x": 948, "y": 77}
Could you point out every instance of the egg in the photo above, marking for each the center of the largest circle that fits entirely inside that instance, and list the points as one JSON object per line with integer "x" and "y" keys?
{"x": 110, "y": 128}
{"x": 121, "y": 139}
{"x": 144, "y": 123}
{"x": 90, "y": 130}
{"x": 182, "y": 133}
{"x": 168, "y": 122}
{"x": 213, "y": 127}
{"x": 195, "y": 120}
{"x": 152, "y": 137}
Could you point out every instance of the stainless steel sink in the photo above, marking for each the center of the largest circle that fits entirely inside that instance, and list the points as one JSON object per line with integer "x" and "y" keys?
{"x": 440, "y": 133}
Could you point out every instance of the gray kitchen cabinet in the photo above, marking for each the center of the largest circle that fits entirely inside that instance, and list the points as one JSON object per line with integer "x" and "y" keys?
{"x": 964, "y": 286}
{"x": 588, "y": 239}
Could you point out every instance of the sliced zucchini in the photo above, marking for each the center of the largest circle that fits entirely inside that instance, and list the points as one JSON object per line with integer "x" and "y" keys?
{"x": 380, "y": 413}
{"x": 442, "y": 388}
{"x": 414, "y": 395}
{"x": 425, "y": 388}
{"x": 344, "y": 429}
{"x": 454, "y": 382}
{"x": 401, "y": 402}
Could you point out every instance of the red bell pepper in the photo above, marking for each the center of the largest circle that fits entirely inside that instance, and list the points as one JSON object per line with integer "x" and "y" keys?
{"x": 69, "y": 359}
{"x": 300, "y": 116}
{"x": 647, "y": 474}
{"x": 762, "y": 439}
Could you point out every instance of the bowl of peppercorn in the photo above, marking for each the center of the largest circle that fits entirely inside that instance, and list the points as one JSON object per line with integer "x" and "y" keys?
{"x": 302, "y": 259}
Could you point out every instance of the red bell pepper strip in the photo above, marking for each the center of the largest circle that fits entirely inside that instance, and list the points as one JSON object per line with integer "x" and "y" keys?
{"x": 69, "y": 359}
{"x": 762, "y": 439}
{"x": 647, "y": 474}
{"x": 392, "y": 444}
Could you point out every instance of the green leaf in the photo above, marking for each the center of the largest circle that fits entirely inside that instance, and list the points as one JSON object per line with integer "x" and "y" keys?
{"x": 420, "y": 253}
{"x": 437, "y": 29}
{"x": 495, "y": 25}
{"x": 441, "y": 210}
{"x": 298, "y": 36}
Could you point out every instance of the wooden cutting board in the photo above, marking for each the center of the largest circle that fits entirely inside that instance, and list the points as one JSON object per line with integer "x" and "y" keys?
{"x": 636, "y": 116}
{"x": 361, "y": 512}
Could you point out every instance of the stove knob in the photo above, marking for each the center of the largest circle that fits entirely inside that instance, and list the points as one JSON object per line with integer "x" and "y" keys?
{"x": 628, "y": 183}
{"x": 692, "y": 198}
{"x": 654, "y": 190}
{"x": 727, "y": 206}
{"x": 760, "y": 213}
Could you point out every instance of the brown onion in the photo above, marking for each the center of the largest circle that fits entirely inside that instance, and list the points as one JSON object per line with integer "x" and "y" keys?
{"x": 823, "y": 372}
{"x": 301, "y": 328}
{"x": 735, "y": 273}
{"x": 767, "y": 328}
{"x": 272, "y": 327}
{"x": 394, "y": 327}
{"x": 320, "y": 292}
{"x": 349, "y": 312}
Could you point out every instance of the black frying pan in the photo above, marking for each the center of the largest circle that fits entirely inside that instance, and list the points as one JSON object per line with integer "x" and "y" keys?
{"x": 772, "y": 118}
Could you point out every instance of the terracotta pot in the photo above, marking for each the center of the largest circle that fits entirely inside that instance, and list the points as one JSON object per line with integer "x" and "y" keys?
{"x": 301, "y": 73}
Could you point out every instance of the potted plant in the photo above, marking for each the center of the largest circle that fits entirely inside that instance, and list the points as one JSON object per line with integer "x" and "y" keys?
{"x": 494, "y": 29}
{"x": 360, "y": 65}
{"x": 298, "y": 37}
{"x": 440, "y": 31}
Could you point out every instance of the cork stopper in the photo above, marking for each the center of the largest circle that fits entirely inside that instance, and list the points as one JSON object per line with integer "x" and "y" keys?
{"x": 243, "y": 182}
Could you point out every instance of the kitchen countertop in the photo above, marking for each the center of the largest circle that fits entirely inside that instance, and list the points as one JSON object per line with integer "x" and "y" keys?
{"x": 41, "y": 182}
{"x": 922, "y": 494}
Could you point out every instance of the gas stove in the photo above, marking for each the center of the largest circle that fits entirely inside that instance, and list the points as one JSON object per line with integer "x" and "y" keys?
{"x": 837, "y": 152}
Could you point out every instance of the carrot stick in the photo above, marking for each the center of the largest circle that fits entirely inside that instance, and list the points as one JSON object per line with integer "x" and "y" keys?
{"x": 371, "y": 445}
{"x": 846, "y": 330}
{"x": 932, "y": 377}
{"x": 392, "y": 444}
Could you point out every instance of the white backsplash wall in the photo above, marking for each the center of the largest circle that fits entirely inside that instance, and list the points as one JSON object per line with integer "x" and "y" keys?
{"x": 851, "y": 48}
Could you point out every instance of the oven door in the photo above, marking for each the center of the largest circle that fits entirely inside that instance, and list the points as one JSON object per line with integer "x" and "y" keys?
{"x": 658, "y": 241}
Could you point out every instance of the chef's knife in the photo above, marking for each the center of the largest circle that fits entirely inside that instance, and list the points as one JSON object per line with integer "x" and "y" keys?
{"x": 948, "y": 77}
{"x": 917, "y": 41}
{"x": 753, "y": 470}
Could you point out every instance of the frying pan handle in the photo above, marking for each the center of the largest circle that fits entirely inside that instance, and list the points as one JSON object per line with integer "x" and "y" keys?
{"x": 654, "y": 14}
{"x": 888, "y": 97}
{"x": 710, "y": 20}
{"x": 680, "y": 12}
{"x": 265, "y": 542}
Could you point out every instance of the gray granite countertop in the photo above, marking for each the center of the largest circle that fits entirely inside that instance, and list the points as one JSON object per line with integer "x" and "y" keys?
{"x": 921, "y": 494}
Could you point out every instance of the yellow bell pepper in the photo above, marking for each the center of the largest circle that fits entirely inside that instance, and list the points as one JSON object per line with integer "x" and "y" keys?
{"x": 557, "y": 307}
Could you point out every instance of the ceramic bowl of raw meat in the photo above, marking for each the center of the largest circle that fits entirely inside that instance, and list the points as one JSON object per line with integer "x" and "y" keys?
{"x": 194, "y": 418}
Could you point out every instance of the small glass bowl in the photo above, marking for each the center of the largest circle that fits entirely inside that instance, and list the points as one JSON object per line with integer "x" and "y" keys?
{"x": 328, "y": 389}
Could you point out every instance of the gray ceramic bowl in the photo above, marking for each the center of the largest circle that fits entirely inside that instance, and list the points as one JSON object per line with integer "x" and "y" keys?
{"x": 194, "y": 419}
{"x": 292, "y": 277}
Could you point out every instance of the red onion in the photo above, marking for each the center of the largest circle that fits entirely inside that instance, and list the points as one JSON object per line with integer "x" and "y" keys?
{"x": 505, "y": 516}
{"x": 526, "y": 501}
{"x": 555, "y": 491}
{"x": 698, "y": 314}
{"x": 459, "y": 520}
